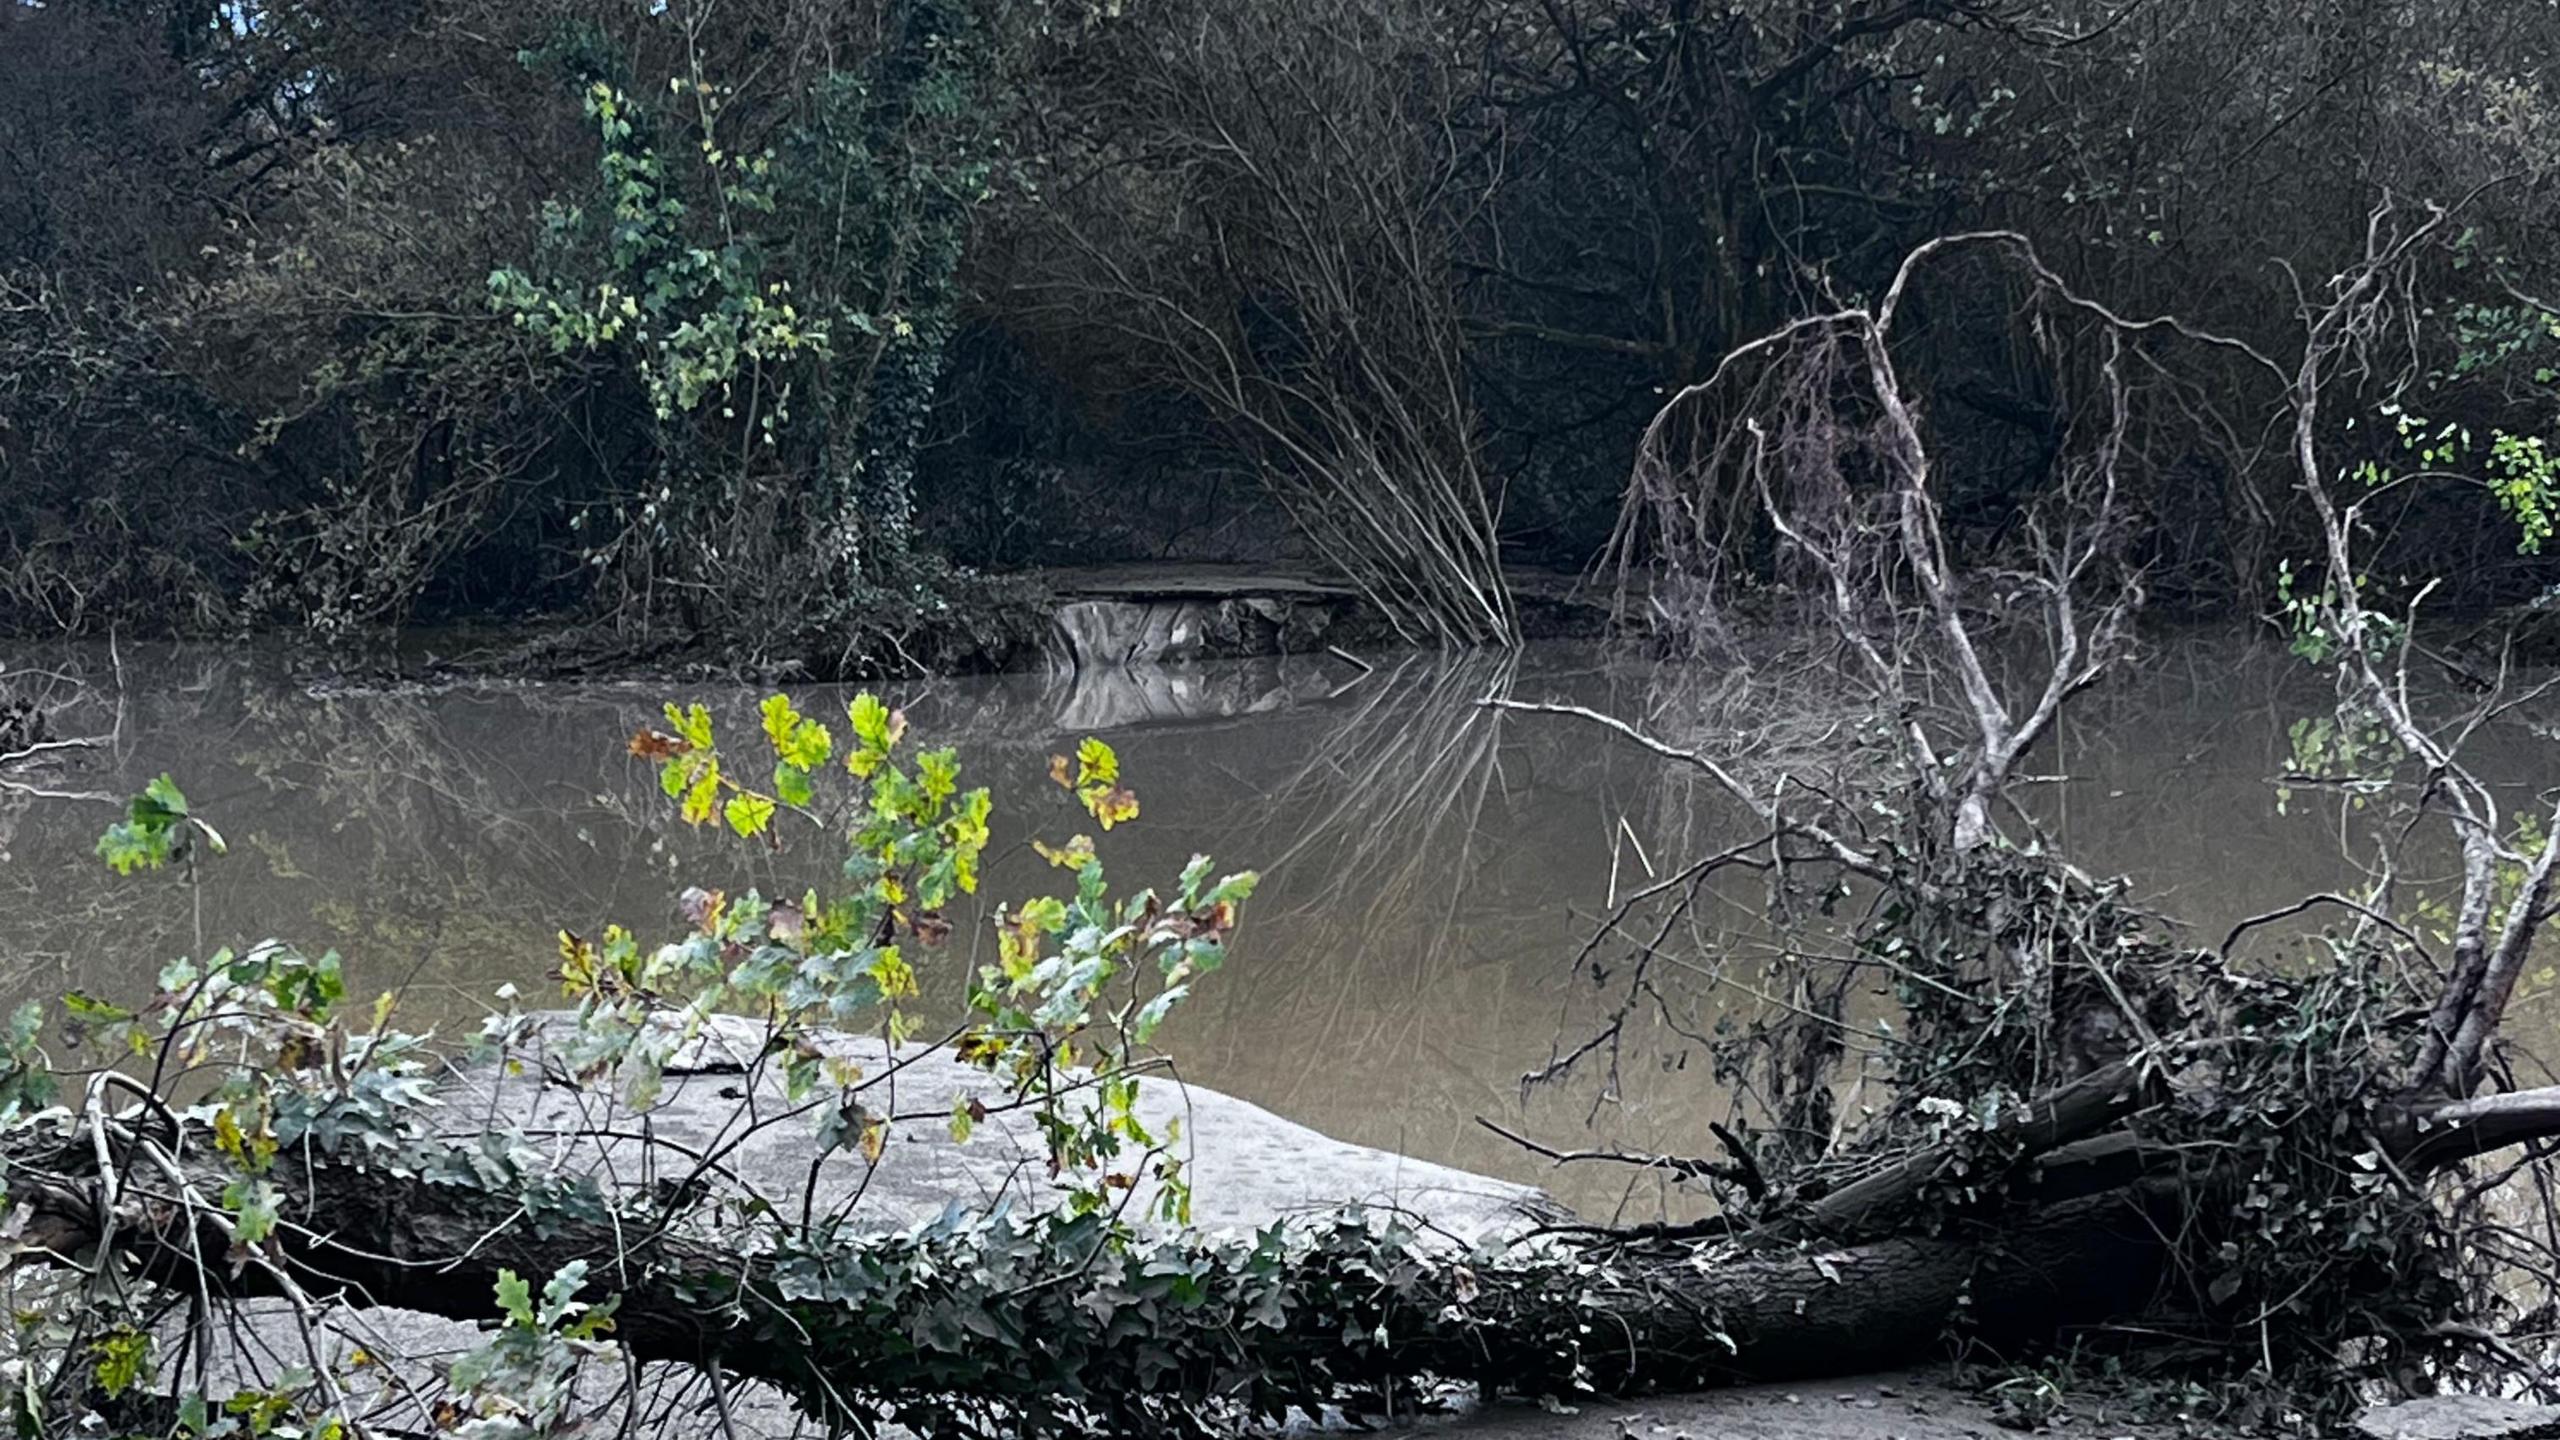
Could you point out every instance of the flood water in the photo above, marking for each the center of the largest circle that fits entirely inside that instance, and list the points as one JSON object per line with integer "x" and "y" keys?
{"x": 1431, "y": 866}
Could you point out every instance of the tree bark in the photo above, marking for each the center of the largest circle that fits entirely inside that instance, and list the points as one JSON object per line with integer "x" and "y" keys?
{"x": 2077, "y": 1242}
{"x": 1614, "y": 1318}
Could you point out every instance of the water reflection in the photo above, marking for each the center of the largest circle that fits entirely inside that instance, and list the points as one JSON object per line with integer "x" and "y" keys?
{"x": 1432, "y": 865}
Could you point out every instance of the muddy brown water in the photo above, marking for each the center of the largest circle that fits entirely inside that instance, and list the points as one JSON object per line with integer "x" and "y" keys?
{"x": 1431, "y": 866}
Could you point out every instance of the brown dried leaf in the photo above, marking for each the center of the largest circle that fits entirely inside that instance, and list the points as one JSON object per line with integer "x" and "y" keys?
{"x": 648, "y": 744}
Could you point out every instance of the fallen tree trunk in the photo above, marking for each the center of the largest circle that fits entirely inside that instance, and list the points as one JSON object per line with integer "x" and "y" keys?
{"x": 1060, "y": 1319}
{"x": 1044, "y": 1320}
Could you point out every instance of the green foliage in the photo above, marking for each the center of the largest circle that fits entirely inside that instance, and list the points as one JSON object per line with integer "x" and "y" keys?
{"x": 2520, "y": 473}
{"x": 702, "y": 319}
{"x": 521, "y": 1384}
{"x": 123, "y": 1360}
{"x": 1081, "y": 982}
{"x": 2525, "y": 480}
{"x": 26, "y": 1076}
{"x": 279, "y": 1083}
{"x": 265, "y": 377}
{"x": 2350, "y": 750}
{"x": 783, "y": 309}
{"x": 156, "y": 828}
{"x": 2519, "y": 344}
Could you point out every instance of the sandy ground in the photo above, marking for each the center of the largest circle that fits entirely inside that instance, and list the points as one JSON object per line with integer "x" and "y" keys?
{"x": 1907, "y": 1406}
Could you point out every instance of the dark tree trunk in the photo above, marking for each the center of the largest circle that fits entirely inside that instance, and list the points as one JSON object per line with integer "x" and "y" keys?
{"x": 1621, "y": 1317}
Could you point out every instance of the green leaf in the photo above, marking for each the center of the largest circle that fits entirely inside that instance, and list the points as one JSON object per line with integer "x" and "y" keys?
{"x": 938, "y": 771}
{"x": 515, "y": 1297}
{"x": 749, "y": 814}
{"x": 122, "y": 1357}
{"x": 253, "y": 1205}
{"x": 1044, "y": 913}
{"x": 1236, "y": 888}
{"x": 162, "y": 796}
{"x": 1152, "y": 1015}
{"x": 780, "y": 720}
{"x": 1193, "y": 876}
{"x": 147, "y": 836}
{"x": 691, "y": 723}
{"x": 126, "y": 848}
{"x": 870, "y": 720}
{"x": 807, "y": 745}
{"x": 1096, "y": 764}
{"x": 791, "y": 784}
{"x": 560, "y": 1294}
{"x": 703, "y": 798}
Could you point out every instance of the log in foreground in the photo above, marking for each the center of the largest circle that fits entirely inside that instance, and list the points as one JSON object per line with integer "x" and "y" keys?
{"x": 1036, "y": 1317}
{"x": 1043, "y": 1320}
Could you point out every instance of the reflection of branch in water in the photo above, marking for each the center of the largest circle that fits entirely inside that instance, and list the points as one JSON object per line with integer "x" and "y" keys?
{"x": 1396, "y": 791}
{"x": 36, "y": 743}
{"x": 51, "y": 740}
{"x": 462, "y": 828}
{"x": 1380, "y": 836}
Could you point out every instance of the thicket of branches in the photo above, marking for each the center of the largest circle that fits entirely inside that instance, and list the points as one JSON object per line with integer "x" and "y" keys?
{"x": 1058, "y": 281}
